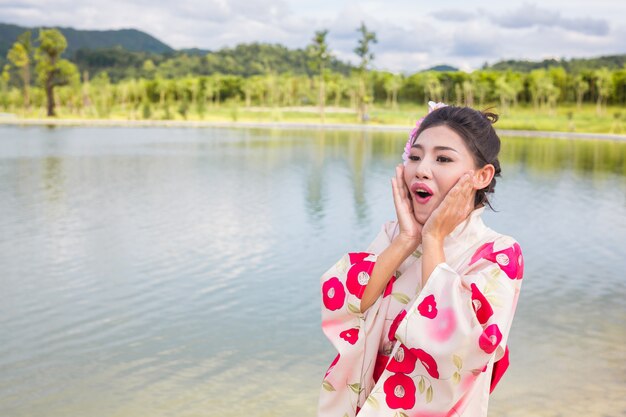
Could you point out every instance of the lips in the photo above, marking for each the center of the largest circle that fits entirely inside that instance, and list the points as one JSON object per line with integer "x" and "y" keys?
{"x": 421, "y": 192}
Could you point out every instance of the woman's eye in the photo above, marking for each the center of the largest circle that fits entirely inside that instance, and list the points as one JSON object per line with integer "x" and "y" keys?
{"x": 414, "y": 158}
{"x": 443, "y": 159}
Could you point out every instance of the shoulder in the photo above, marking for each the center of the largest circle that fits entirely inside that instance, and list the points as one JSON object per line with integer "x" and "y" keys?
{"x": 384, "y": 237}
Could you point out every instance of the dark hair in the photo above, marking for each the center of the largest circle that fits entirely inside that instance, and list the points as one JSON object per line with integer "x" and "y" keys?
{"x": 475, "y": 127}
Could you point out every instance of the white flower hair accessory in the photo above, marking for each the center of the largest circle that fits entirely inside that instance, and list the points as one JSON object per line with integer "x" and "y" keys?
{"x": 432, "y": 106}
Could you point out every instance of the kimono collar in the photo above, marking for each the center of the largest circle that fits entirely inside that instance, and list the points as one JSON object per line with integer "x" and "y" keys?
{"x": 470, "y": 226}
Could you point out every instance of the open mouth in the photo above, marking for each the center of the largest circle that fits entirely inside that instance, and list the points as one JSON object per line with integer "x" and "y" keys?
{"x": 423, "y": 193}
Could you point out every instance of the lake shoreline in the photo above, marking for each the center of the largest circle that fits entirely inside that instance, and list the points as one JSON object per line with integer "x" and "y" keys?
{"x": 286, "y": 125}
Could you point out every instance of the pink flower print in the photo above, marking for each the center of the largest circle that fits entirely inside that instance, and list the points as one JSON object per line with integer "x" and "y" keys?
{"x": 358, "y": 274}
{"x": 332, "y": 365}
{"x": 499, "y": 368}
{"x": 428, "y": 307}
{"x": 357, "y": 257}
{"x": 442, "y": 327}
{"x": 428, "y": 362}
{"x": 395, "y": 324}
{"x": 490, "y": 339}
{"x": 350, "y": 335}
{"x": 389, "y": 286}
{"x": 399, "y": 392}
{"x": 333, "y": 294}
{"x": 403, "y": 360}
{"x": 380, "y": 365}
{"x": 510, "y": 260}
{"x": 482, "y": 308}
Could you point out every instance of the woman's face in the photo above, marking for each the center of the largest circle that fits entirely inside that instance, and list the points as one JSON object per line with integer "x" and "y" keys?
{"x": 438, "y": 158}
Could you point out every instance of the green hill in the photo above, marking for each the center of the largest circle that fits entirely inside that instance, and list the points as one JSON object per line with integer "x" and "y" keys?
{"x": 129, "y": 39}
{"x": 611, "y": 62}
{"x": 442, "y": 68}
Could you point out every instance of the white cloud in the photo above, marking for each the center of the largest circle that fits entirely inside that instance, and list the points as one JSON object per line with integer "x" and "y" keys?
{"x": 453, "y": 15}
{"x": 529, "y": 15}
{"x": 411, "y": 35}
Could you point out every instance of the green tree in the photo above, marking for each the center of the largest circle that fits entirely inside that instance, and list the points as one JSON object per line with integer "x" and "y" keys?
{"x": 433, "y": 90}
{"x": 52, "y": 70}
{"x": 320, "y": 56}
{"x": 505, "y": 92}
{"x": 363, "y": 50}
{"x": 148, "y": 68}
{"x": 20, "y": 56}
{"x": 392, "y": 84}
{"x": 4, "y": 87}
{"x": 581, "y": 86}
{"x": 604, "y": 87}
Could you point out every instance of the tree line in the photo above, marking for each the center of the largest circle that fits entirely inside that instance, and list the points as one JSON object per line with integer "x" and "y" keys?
{"x": 181, "y": 84}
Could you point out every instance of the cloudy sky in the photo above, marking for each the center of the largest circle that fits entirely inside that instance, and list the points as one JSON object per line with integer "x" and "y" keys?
{"x": 412, "y": 34}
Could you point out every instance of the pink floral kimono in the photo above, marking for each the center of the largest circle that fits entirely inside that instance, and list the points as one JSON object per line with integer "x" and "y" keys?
{"x": 425, "y": 352}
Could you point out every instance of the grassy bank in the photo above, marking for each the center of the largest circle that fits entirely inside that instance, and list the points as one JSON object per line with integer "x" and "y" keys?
{"x": 562, "y": 119}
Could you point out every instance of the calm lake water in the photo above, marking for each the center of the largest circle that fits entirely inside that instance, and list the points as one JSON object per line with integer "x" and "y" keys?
{"x": 175, "y": 272}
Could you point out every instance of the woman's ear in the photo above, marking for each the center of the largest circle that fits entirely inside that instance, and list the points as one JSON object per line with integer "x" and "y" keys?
{"x": 483, "y": 176}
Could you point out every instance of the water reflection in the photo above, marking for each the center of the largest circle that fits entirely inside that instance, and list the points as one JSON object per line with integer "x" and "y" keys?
{"x": 175, "y": 271}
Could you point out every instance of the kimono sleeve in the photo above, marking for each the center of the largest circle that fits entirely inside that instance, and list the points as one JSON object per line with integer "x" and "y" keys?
{"x": 352, "y": 333}
{"x": 460, "y": 323}
{"x": 343, "y": 286}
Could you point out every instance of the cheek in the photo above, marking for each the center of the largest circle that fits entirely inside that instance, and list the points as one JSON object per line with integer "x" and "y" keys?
{"x": 407, "y": 176}
{"x": 448, "y": 181}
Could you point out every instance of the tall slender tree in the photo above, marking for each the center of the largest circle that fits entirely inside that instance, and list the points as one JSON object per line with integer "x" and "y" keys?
{"x": 20, "y": 56}
{"x": 363, "y": 50}
{"x": 320, "y": 54}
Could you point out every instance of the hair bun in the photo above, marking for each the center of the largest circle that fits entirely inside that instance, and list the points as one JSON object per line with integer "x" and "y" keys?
{"x": 492, "y": 117}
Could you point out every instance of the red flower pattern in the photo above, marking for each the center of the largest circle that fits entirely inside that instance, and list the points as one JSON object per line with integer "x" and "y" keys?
{"x": 350, "y": 335}
{"x": 428, "y": 307}
{"x": 510, "y": 260}
{"x": 490, "y": 339}
{"x": 332, "y": 365}
{"x": 482, "y": 308}
{"x": 333, "y": 294}
{"x": 403, "y": 360}
{"x": 395, "y": 324}
{"x": 499, "y": 368}
{"x": 359, "y": 274}
{"x": 380, "y": 365}
{"x": 428, "y": 361}
{"x": 399, "y": 392}
{"x": 389, "y": 286}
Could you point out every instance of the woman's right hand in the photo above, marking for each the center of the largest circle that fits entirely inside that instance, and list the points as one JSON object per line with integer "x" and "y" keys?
{"x": 410, "y": 228}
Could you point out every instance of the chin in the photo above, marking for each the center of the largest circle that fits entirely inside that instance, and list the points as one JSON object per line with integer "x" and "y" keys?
{"x": 421, "y": 217}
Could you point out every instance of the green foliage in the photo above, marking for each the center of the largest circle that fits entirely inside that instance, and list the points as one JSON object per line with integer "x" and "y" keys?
{"x": 52, "y": 71}
{"x": 363, "y": 50}
{"x": 201, "y": 84}
{"x": 574, "y": 65}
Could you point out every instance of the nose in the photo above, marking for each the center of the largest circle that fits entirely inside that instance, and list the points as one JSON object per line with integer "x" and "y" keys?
{"x": 422, "y": 170}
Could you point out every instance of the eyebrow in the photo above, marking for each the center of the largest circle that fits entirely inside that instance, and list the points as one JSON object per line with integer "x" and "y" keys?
{"x": 437, "y": 148}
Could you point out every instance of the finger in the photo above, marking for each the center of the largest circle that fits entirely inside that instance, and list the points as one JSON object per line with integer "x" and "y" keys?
{"x": 398, "y": 200}
{"x": 402, "y": 187}
{"x": 400, "y": 178}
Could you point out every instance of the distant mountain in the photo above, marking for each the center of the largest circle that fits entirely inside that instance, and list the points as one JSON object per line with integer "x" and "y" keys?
{"x": 442, "y": 68}
{"x": 129, "y": 39}
{"x": 611, "y": 62}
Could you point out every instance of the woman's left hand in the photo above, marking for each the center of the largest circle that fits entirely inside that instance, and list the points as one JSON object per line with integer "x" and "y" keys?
{"x": 455, "y": 207}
